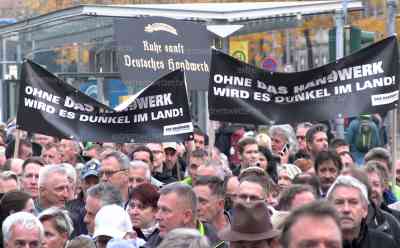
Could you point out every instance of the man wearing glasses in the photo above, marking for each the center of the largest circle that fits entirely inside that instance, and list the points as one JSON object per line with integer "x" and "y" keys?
{"x": 114, "y": 170}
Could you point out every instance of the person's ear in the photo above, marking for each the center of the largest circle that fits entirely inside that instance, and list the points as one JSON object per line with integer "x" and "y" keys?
{"x": 65, "y": 236}
{"x": 188, "y": 216}
{"x": 221, "y": 203}
{"x": 42, "y": 190}
{"x": 365, "y": 210}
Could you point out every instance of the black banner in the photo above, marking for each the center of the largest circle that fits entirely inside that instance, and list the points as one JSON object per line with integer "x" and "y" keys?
{"x": 48, "y": 105}
{"x": 149, "y": 47}
{"x": 366, "y": 81}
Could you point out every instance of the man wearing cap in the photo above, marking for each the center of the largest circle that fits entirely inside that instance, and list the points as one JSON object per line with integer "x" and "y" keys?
{"x": 350, "y": 198}
{"x": 174, "y": 167}
{"x": 113, "y": 222}
{"x": 250, "y": 227}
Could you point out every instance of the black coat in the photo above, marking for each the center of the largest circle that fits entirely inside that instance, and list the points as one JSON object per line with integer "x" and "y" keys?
{"x": 383, "y": 221}
{"x": 370, "y": 238}
{"x": 209, "y": 231}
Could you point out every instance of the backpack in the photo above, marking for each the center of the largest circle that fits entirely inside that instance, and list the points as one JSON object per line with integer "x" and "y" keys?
{"x": 364, "y": 136}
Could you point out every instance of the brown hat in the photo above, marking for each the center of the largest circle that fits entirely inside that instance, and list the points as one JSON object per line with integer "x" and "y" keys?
{"x": 250, "y": 222}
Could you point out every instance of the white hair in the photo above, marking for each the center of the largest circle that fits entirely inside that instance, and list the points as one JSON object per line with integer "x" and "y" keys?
{"x": 71, "y": 172}
{"x": 349, "y": 181}
{"x": 27, "y": 220}
{"x": 46, "y": 171}
{"x": 184, "y": 238}
{"x": 287, "y": 132}
{"x": 138, "y": 164}
{"x": 62, "y": 221}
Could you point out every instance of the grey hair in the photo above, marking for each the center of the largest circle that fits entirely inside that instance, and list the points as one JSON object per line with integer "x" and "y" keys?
{"x": 106, "y": 193}
{"x": 122, "y": 159}
{"x": 71, "y": 172}
{"x": 184, "y": 238}
{"x": 377, "y": 153}
{"x": 286, "y": 131}
{"x": 8, "y": 175}
{"x": 349, "y": 181}
{"x": 62, "y": 221}
{"x": 75, "y": 145}
{"x": 27, "y": 220}
{"x": 218, "y": 167}
{"x": 45, "y": 172}
{"x": 138, "y": 164}
{"x": 304, "y": 125}
{"x": 185, "y": 193}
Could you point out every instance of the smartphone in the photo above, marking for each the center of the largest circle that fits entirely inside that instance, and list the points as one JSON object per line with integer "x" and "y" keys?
{"x": 285, "y": 149}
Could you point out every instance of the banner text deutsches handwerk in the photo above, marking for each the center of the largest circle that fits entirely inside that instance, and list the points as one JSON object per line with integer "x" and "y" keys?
{"x": 170, "y": 64}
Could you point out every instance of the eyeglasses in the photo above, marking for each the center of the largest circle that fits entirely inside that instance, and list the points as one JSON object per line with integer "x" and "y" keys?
{"x": 249, "y": 198}
{"x": 301, "y": 137}
{"x": 109, "y": 174}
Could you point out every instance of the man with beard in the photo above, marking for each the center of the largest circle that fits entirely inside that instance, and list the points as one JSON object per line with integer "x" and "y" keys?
{"x": 317, "y": 140}
{"x": 350, "y": 198}
{"x": 327, "y": 167}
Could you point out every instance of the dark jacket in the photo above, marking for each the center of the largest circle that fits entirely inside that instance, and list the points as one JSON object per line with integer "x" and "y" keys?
{"x": 170, "y": 176}
{"x": 204, "y": 229}
{"x": 370, "y": 238}
{"x": 393, "y": 212}
{"x": 383, "y": 221}
{"x": 76, "y": 209}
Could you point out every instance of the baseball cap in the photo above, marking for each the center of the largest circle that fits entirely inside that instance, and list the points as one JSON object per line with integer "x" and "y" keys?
{"x": 91, "y": 168}
{"x": 171, "y": 145}
{"x": 112, "y": 221}
{"x": 89, "y": 145}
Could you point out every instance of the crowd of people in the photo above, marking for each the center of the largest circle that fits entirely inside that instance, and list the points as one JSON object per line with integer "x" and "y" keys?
{"x": 291, "y": 186}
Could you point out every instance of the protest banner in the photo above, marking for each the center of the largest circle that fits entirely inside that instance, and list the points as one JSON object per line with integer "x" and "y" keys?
{"x": 366, "y": 81}
{"x": 149, "y": 47}
{"x": 48, "y": 105}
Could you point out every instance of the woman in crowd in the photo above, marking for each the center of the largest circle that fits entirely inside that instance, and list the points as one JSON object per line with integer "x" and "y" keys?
{"x": 268, "y": 162}
{"x": 12, "y": 202}
{"x": 57, "y": 227}
{"x": 142, "y": 209}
